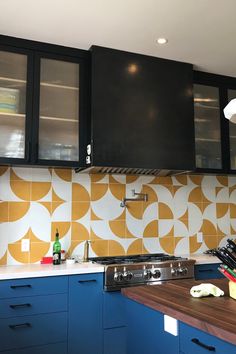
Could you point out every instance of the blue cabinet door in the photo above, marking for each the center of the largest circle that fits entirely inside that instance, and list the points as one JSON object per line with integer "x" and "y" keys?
{"x": 85, "y": 333}
{"x": 194, "y": 341}
{"x": 145, "y": 331}
{"x": 207, "y": 271}
{"x": 113, "y": 310}
{"x": 115, "y": 341}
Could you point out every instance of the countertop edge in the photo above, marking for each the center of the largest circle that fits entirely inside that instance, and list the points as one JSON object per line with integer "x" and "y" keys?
{"x": 45, "y": 270}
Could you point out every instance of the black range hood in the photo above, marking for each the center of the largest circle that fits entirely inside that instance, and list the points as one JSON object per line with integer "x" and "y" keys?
{"x": 142, "y": 118}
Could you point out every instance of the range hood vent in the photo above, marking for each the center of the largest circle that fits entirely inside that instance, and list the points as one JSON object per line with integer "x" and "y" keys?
{"x": 130, "y": 171}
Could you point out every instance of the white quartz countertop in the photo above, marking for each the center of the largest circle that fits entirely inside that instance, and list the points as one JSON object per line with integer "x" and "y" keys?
{"x": 202, "y": 258}
{"x": 47, "y": 270}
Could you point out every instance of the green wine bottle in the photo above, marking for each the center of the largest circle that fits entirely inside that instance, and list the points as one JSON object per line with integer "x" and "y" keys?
{"x": 57, "y": 250}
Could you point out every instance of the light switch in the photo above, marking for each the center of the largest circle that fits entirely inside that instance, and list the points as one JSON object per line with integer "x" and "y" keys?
{"x": 25, "y": 245}
{"x": 171, "y": 325}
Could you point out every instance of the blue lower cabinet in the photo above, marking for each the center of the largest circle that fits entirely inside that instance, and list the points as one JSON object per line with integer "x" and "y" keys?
{"x": 85, "y": 332}
{"x": 58, "y": 348}
{"x": 26, "y": 331}
{"x": 145, "y": 331}
{"x": 115, "y": 341}
{"x": 194, "y": 341}
{"x": 113, "y": 310}
{"x": 207, "y": 271}
{"x": 114, "y": 323}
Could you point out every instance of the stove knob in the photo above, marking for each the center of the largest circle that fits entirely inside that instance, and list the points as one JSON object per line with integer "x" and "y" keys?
{"x": 147, "y": 274}
{"x": 185, "y": 270}
{"x": 174, "y": 271}
{"x": 118, "y": 277}
{"x": 156, "y": 274}
{"x": 128, "y": 276}
{"x": 181, "y": 271}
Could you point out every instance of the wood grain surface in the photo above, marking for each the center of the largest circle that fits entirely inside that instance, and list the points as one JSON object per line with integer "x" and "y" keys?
{"x": 215, "y": 315}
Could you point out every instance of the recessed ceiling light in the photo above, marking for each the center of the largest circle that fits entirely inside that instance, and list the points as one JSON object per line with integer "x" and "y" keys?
{"x": 162, "y": 40}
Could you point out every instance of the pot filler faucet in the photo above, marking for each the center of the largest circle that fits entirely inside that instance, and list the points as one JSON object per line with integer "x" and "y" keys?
{"x": 140, "y": 197}
{"x": 86, "y": 251}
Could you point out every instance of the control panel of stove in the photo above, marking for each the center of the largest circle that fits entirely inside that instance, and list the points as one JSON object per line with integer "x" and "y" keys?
{"x": 117, "y": 276}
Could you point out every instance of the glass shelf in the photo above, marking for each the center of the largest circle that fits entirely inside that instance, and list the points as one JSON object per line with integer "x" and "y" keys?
{"x": 13, "y": 115}
{"x": 3, "y": 78}
{"x": 208, "y": 140}
{"x": 57, "y": 86}
{"x": 60, "y": 119}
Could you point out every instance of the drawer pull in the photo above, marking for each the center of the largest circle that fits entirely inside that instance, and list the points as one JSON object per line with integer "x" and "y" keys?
{"x": 87, "y": 281}
{"x": 19, "y": 306}
{"x": 208, "y": 347}
{"x": 20, "y": 286}
{"x": 20, "y": 325}
{"x": 205, "y": 270}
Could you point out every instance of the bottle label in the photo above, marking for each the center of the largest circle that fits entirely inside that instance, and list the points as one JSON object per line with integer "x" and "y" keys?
{"x": 56, "y": 258}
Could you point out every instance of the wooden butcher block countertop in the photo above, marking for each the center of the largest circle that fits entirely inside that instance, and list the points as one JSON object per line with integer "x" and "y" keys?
{"x": 216, "y": 316}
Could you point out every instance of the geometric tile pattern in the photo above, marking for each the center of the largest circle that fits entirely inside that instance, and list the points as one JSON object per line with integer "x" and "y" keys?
{"x": 34, "y": 202}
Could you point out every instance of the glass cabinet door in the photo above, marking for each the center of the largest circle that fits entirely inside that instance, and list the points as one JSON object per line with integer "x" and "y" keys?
{"x": 13, "y": 83}
{"x": 232, "y": 135}
{"x": 58, "y": 110}
{"x": 207, "y": 127}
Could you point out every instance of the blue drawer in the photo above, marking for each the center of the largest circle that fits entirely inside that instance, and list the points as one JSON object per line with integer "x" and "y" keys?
{"x": 113, "y": 310}
{"x": 33, "y": 286}
{"x": 207, "y": 271}
{"x": 33, "y": 305}
{"x": 192, "y": 341}
{"x": 58, "y": 348}
{"x": 26, "y": 331}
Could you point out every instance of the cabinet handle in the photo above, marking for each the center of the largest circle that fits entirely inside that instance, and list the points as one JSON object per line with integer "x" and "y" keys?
{"x": 87, "y": 281}
{"x": 208, "y": 347}
{"x": 20, "y": 286}
{"x": 19, "y": 305}
{"x": 20, "y": 325}
{"x": 205, "y": 270}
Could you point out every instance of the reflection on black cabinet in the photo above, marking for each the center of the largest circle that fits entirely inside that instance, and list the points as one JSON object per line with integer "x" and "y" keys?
{"x": 43, "y": 102}
{"x": 207, "y": 127}
{"x": 142, "y": 111}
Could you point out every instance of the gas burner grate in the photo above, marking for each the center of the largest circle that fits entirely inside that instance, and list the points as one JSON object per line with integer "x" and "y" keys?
{"x": 143, "y": 258}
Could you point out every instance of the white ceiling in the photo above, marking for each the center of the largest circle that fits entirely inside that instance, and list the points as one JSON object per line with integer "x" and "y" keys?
{"x": 202, "y": 32}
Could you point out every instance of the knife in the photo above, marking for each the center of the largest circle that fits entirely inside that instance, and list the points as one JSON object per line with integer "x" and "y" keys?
{"x": 222, "y": 259}
{"x": 229, "y": 256}
{"x": 231, "y": 245}
{"x": 227, "y": 259}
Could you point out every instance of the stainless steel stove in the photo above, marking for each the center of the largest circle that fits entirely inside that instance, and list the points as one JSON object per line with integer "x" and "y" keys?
{"x": 143, "y": 269}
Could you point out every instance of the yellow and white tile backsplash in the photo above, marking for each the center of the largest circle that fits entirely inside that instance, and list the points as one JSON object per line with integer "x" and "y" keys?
{"x": 36, "y": 201}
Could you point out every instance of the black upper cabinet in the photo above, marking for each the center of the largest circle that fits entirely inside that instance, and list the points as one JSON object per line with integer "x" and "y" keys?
{"x": 141, "y": 112}
{"x": 215, "y": 136}
{"x": 44, "y": 95}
